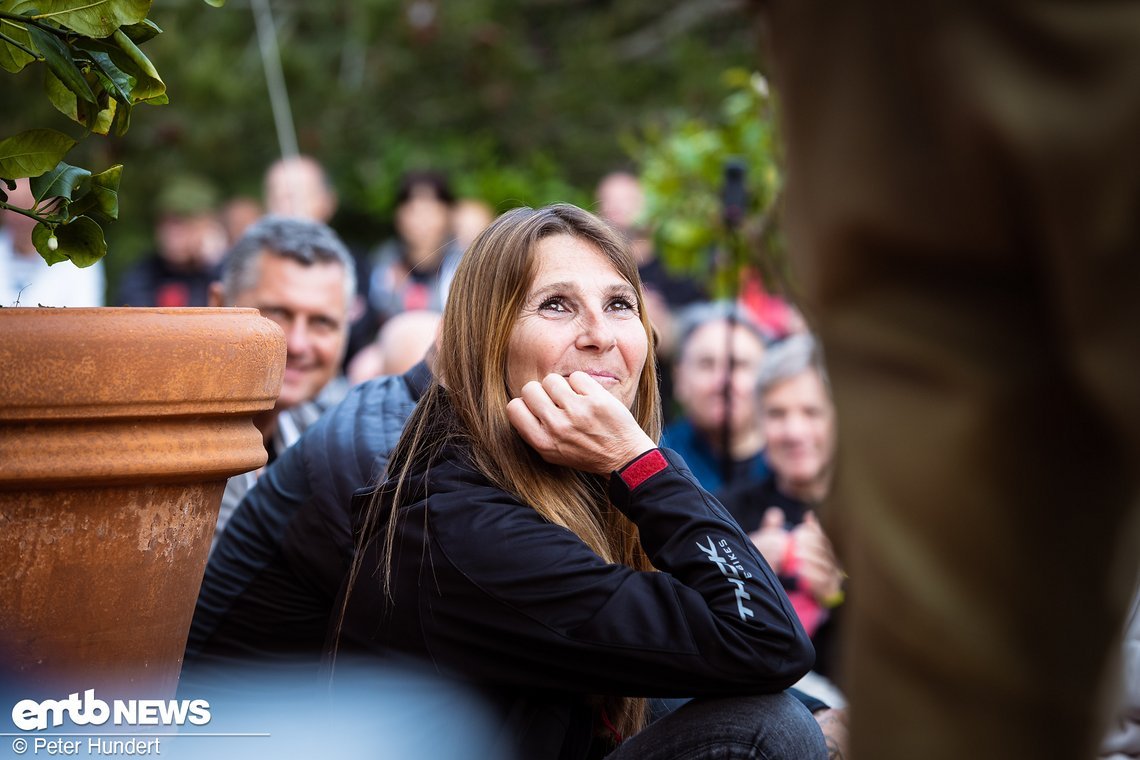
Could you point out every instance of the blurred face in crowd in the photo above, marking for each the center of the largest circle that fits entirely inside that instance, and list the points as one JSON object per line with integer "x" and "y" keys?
{"x": 191, "y": 242}
{"x": 468, "y": 219}
{"x": 424, "y": 223}
{"x": 579, "y": 314}
{"x": 298, "y": 187}
{"x": 20, "y": 227}
{"x": 700, "y": 374}
{"x": 620, "y": 200}
{"x": 311, "y": 306}
{"x": 798, "y": 421}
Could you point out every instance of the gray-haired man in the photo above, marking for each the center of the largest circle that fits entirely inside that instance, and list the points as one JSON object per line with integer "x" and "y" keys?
{"x": 299, "y": 274}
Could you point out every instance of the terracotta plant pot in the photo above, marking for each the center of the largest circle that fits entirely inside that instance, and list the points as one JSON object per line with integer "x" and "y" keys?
{"x": 118, "y": 429}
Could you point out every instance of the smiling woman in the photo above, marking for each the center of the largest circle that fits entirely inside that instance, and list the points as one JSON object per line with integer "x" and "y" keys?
{"x": 514, "y": 542}
{"x": 580, "y": 315}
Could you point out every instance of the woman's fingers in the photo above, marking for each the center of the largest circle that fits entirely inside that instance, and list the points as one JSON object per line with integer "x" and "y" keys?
{"x": 578, "y": 423}
{"x": 528, "y": 425}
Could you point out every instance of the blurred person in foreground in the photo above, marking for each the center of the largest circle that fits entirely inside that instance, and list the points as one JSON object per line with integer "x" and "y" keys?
{"x": 718, "y": 345}
{"x": 189, "y": 244}
{"x": 527, "y": 506}
{"x": 300, "y": 275}
{"x": 25, "y": 278}
{"x": 978, "y": 302}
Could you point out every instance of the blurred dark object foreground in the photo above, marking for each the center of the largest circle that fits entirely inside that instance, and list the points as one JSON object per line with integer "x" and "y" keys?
{"x": 964, "y": 208}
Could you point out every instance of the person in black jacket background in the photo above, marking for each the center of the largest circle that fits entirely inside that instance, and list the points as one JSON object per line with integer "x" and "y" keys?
{"x": 527, "y": 507}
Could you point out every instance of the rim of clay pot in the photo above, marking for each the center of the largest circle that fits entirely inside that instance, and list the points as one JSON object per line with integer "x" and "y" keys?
{"x": 88, "y": 363}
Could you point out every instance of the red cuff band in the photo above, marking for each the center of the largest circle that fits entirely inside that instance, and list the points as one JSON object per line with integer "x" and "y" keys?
{"x": 643, "y": 468}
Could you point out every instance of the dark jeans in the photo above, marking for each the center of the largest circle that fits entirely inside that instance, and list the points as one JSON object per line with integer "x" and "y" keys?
{"x": 770, "y": 727}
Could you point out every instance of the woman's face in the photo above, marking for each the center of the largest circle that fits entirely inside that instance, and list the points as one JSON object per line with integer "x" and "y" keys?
{"x": 799, "y": 426}
{"x": 579, "y": 314}
{"x": 424, "y": 222}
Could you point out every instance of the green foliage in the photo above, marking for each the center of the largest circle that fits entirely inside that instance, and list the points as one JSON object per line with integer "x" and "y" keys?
{"x": 682, "y": 162}
{"x": 95, "y": 74}
{"x": 31, "y": 153}
{"x": 521, "y": 101}
{"x": 477, "y": 170}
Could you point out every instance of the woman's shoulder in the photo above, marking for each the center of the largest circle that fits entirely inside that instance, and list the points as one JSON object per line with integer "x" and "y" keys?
{"x": 455, "y": 483}
{"x": 457, "y": 495}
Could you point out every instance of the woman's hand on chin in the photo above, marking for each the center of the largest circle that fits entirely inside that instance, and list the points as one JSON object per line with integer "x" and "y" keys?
{"x": 577, "y": 423}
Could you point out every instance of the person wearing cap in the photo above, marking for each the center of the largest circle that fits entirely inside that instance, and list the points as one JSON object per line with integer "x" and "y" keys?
{"x": 190, "y": 242}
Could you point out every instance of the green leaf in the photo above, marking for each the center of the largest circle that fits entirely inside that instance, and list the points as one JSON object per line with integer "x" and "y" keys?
{"x": 31, "y": 153}
{"x": 216, "y": 3}
{"x": 121, "y": 121}
{"x": 122, "y": 83}
{"x": 105, "y": 118}
{"x": 62, "y": 64}
{"x": 148, "y": 84}
{"x": 60, "y": 182}
{"x": 102, "y": 195}
{"x": 96, "y": 117}
{"x": 12, "y": 58}
{"x": 42, "y": 237}
{"x": 80, "y": 240}
{"x": 140, "y": 33}
{"x": 62, "y": 98}
{"x": 92, "y": 18}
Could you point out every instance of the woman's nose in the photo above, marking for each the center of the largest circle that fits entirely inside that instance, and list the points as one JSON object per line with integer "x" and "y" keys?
{"x": 595, "y": 332}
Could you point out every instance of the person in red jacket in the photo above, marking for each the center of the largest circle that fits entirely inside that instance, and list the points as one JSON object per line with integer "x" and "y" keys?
{"x": 531, "y": 539}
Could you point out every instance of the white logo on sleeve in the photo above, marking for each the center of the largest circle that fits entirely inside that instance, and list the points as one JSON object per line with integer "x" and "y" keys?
{"x": 733, "y": 570}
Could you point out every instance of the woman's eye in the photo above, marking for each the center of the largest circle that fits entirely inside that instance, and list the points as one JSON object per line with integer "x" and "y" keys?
{"x": 553, "y": 304}
{"x": 622, "y": 304}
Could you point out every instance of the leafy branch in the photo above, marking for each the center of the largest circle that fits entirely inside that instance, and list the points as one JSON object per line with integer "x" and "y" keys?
{"x": 96, "y": 74}
{"x": 682, "y": 164}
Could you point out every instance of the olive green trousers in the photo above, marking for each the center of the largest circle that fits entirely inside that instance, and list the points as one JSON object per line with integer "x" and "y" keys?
{"x": 963, "y": 213}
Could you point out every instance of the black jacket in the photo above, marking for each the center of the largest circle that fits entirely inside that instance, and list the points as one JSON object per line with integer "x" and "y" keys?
{"x": 486, "y": 589}
{"x": 271, "y": 582}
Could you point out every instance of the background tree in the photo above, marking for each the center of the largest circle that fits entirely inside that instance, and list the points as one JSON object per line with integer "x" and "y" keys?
{"x": 94, "y": 74}
{"x": 522, "y": 101}
{"x": 683, "y": 160}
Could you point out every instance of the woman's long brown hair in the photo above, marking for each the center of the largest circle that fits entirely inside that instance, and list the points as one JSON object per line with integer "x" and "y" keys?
{"x": 486, "y": 297}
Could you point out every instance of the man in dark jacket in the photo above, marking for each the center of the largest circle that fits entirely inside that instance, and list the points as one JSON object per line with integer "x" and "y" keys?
{"x": 270, "y": 584}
